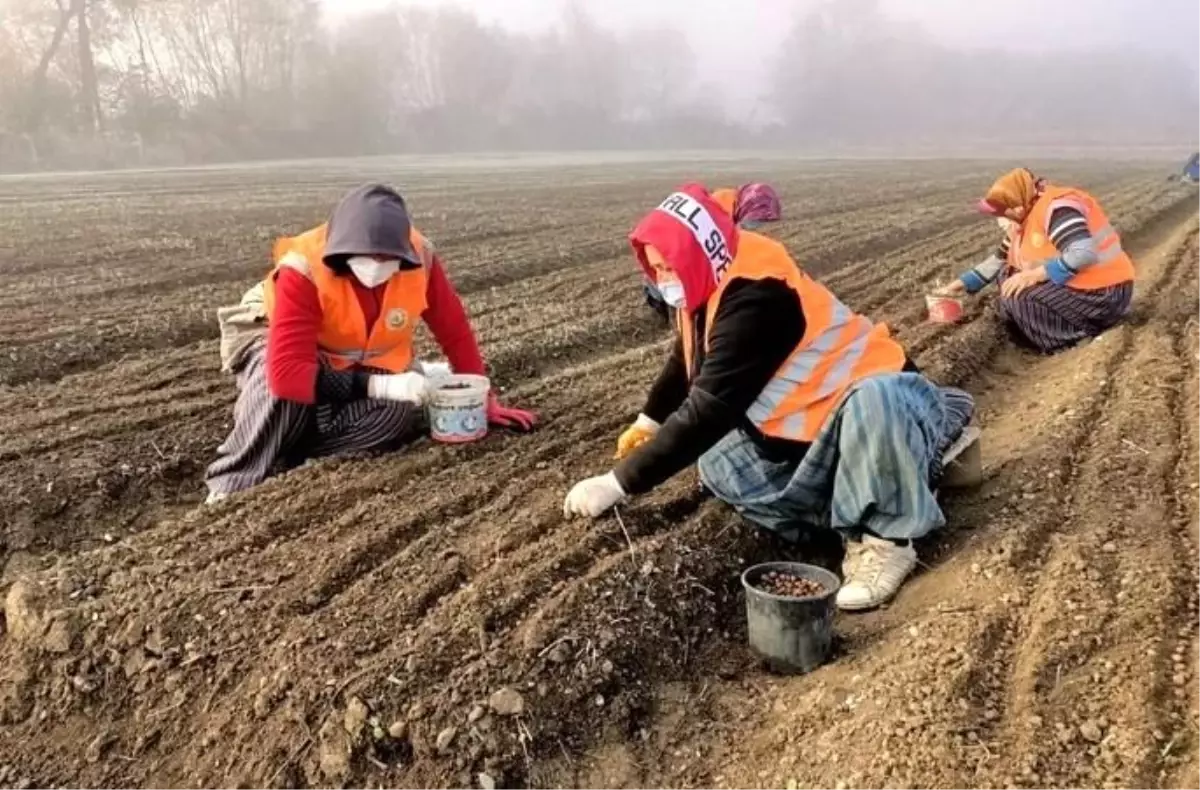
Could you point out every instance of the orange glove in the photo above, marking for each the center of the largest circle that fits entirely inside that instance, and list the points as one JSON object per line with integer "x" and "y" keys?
{"x": 642, "y": 431}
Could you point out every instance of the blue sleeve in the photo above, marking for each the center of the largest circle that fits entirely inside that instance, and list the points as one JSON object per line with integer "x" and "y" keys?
{"x": 1058, "y": 272}
{"x": 973, "y": 281}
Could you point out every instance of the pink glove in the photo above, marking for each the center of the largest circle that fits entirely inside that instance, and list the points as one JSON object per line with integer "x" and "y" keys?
{"x": 507, "y": 417}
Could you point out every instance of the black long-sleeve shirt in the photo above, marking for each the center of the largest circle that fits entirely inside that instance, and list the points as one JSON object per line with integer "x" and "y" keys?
{"x": 756, "y": 328}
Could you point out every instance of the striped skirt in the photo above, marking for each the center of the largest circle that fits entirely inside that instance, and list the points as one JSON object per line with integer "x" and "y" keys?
{"x": 872, "y": 466}
{"x": 270, "y": 435}
{"x": 1050, "y": 318}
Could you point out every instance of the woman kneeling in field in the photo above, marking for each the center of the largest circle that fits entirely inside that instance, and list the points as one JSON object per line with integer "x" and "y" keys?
{"x": 750, "y": 205}
{"x": 1063, "y": 274}
{"x": 802, "y": 415}
{"x": 337, "y": 372}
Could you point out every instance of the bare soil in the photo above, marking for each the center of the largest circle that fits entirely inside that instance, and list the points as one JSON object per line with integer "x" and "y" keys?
{"x": 428, "y": 617}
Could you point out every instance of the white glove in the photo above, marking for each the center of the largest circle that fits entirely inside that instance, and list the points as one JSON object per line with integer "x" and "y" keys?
{"x": 594, "y": 496}
{"x": 411, "y": 387}
{"x": 436, "y": 372}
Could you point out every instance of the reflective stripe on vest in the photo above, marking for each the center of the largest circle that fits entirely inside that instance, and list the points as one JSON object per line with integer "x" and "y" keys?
{"x": 1108, "y": 244}
{"x": 839, "y": 347}
{"x": 1032, "y": 246}
{"x": 354, "y": 355}
{"x": 802, "y": 365}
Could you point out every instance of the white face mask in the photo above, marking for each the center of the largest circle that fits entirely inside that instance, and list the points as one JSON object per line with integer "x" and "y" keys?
{"x": 672, "y": 293}
{"x": 371, "y": 272}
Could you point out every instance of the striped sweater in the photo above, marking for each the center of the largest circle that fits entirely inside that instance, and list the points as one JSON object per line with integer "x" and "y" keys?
{"x": 1069, "y": 233}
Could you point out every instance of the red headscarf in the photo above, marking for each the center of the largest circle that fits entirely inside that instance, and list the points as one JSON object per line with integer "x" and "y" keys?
{"x": 757, "y": 202}
{"x": 696, "y": 238}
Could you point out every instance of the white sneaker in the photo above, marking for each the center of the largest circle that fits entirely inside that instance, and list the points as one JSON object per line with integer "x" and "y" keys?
{"x": 874, "y": 573}
{"x": 853, "y": 558}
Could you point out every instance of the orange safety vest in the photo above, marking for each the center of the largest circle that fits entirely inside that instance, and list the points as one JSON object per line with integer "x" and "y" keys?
{"x": 839, "y": 347}
{"x": 344, "y": 339}
{"x": 726, "y": 199}
{"x": 1032, "y": 247}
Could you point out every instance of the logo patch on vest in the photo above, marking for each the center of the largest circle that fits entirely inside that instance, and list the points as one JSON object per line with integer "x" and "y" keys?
{"x": 1037, "y": 239}
{"x": 396, "y": 319}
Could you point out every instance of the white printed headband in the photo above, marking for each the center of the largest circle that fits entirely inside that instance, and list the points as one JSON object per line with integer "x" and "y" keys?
{"x": 685, "y": 209}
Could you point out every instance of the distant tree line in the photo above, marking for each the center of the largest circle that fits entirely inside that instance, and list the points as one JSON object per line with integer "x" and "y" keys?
{"x": 105, "y": 83}
{"x": 847, "y": 72}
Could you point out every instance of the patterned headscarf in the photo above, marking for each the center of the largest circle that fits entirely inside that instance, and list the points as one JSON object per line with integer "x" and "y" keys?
{"x": 1016, "y": 189}
{"x": 757, "y": 203}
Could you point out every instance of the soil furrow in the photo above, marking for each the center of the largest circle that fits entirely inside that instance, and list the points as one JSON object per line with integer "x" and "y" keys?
{"x": 234, "y": 644}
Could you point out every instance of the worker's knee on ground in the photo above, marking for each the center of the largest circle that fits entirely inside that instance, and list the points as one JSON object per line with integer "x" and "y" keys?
{"x": 388, "y": 421}
{"x": 399, "y": 417}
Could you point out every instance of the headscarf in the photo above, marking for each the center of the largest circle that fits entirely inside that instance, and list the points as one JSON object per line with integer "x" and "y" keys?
{"x": 1015, "y": 190}
{"x": 696, "y": 238}
{"x": 757, "y": 203}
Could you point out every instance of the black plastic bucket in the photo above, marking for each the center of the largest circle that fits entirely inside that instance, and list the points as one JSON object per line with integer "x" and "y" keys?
{"x": 793, "y": 635}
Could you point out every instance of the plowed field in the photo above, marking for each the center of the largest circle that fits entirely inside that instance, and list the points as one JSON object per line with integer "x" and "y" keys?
{"x": 349, "y": 621}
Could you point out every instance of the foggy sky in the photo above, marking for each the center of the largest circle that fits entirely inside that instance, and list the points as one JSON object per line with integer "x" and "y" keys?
{"x": 732, "y": 45}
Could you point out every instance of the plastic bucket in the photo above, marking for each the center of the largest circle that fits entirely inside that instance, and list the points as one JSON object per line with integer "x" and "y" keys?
{"x": 458, "y": 408}
{"x": 944, "y": 309}
{"x": 793, "y": 635}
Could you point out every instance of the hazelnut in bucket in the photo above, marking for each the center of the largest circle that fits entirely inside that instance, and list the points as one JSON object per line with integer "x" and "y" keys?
{"x": 458, "y": 407}
{"x": 944, "y": 309}
{"x": 789, "y": 614}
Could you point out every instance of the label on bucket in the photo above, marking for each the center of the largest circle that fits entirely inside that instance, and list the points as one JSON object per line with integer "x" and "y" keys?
{"x": 459, "y": 423}
{"x": 458, "y": 408}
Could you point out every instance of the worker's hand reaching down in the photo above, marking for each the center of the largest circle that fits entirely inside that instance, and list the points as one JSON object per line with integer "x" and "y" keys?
{"x": 633, "y": 437}
{"x": 955, "y": 288}
{"x": 503, "y": 416}
{"x": 593, "y": 497}
{"x": 409, "y": 387}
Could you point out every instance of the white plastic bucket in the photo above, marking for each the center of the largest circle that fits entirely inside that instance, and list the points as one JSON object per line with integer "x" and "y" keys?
{"x": 458, "y": 408}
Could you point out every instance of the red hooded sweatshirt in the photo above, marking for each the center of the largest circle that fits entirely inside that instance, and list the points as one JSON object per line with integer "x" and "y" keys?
{"x": 696, "y": 238}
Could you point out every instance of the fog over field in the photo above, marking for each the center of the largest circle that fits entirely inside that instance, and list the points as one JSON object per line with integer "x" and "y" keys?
{"x": 103, "y": 83}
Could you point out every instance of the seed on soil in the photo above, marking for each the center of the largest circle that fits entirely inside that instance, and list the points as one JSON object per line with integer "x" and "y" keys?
{"x": 507, "y": 702}
{"x": 790, "y": 585}
{"x": 445, "y": 738}
{"x": 355, "y": 718}
{"x": 1091, "y": 732}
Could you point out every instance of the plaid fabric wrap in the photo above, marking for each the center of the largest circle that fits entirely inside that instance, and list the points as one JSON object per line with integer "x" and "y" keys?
{"x": 871, "y": 467}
